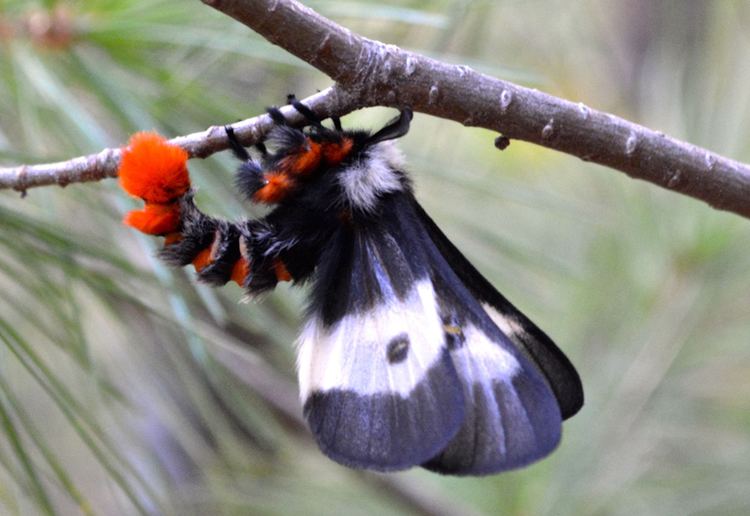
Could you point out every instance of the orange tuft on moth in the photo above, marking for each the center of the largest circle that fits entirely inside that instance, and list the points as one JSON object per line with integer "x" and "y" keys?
{"x": 334, "y": 153}
{"x": 152, "y": 169}
{"x": 276, "y": 188}
{"x": 155, "y": 219}
{"x": 172, "y": 238}
{"x": 282, "y": 274}
{"x": 203, "y": 259}
{"x": 240, "y": 271}
{"x": 304, "y": 162}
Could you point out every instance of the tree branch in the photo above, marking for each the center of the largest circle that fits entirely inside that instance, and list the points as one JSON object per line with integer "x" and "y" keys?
{"x": 369, "y": 73}
{"x": 332, "y": 101}
{"x": 379, "y": 74}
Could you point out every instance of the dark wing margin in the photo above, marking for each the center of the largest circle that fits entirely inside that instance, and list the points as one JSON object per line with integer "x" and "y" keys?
{"x": 387, "y": 431}
{"x": 559, "y": 371}
{"x": 512, "y": 415}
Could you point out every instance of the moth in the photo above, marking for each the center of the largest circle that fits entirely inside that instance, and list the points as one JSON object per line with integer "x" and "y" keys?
{"x": 408, "y": 356}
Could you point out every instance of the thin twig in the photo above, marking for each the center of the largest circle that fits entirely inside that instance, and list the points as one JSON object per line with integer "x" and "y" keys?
{"x": 94, "y": 167}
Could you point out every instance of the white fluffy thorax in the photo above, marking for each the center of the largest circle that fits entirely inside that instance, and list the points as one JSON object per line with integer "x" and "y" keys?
{"x": 377, "y": 173}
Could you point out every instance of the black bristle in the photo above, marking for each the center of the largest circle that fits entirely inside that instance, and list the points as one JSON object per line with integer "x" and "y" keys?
{"x": 286, "y": 139}
{"x": 197, "y": 233}
{"x": 249, "y": 178}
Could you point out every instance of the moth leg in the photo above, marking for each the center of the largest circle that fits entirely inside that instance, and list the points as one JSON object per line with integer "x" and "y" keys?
{"x": 397, "y": 128}
{"x": 311, "y": 118}
{"x": 249, "y": 178}
{"x": 305, "y": 111}
{"x": 237, "y": 148}
{"x": 277, "y": 116}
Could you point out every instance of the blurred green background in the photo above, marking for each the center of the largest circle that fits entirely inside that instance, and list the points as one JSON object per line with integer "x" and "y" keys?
{"x": 127, "y": 388}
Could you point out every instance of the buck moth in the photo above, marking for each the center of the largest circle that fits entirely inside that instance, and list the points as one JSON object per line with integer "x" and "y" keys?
{"x": 409, "y": 356}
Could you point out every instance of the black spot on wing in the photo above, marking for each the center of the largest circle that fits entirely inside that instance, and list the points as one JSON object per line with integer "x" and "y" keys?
{"x": 386, "y": 431}
{"x": 398, "y": 349}
{"x": 533, "y": 342}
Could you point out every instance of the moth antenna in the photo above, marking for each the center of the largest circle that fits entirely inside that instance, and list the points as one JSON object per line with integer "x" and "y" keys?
{"x": 337, "y": 123}
{"x": 237, "y": 148}
{"x": 395, "y": 129}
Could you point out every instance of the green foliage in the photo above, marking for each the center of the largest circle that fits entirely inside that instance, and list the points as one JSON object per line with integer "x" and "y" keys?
{"x": 114, "y": 395}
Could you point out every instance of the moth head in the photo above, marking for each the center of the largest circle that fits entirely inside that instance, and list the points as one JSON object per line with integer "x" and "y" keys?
{"x": 396, "y": 128}
{"x": 376, "y": 169}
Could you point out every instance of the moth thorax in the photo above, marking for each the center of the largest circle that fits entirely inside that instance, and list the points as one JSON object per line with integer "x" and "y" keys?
{"x": 377, "y": 172}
